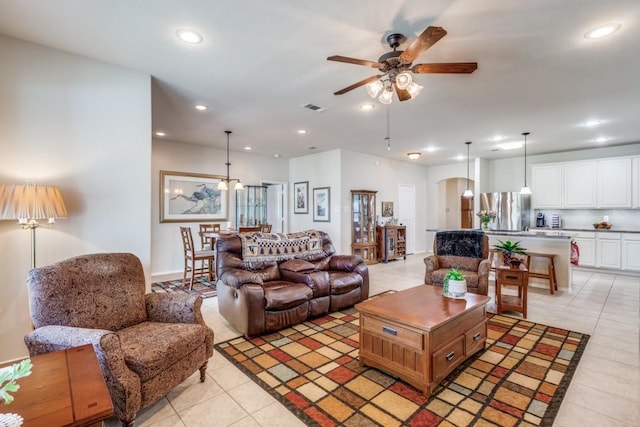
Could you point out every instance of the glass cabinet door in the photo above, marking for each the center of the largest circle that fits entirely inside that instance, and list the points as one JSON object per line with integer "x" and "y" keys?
{"x": 251, "y": 206}
{"x": 363, "y": 227}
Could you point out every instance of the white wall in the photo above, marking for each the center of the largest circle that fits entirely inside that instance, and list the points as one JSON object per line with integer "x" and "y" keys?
{"x": 85, "y": 127}
{"x": 166, "y": 246}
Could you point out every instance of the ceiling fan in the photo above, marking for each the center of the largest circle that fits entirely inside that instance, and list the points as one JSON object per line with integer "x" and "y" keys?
{"x": 396, "y": 66}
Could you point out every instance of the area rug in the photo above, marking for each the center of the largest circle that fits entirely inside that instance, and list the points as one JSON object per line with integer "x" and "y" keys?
{"x": 312, "y": 368}
{"x": 201, "y": 286}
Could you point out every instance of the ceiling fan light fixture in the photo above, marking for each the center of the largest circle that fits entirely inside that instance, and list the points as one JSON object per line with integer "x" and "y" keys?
{"x": 414, "y": 89}
{"x": 374, "y": 88}
{"x": 414, "y": 155}
{"x": 387, "y": 96}
{"x": 403, "y": 80}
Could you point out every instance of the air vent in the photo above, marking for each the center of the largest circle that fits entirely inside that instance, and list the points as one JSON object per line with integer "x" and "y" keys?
{"x": 316, "y": 108}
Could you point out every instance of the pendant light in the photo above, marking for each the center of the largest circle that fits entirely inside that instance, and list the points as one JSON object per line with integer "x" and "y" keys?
{"x": 224, "y": 183}
{"x": 468, "y": 193}
{"x": 525, "y": 189}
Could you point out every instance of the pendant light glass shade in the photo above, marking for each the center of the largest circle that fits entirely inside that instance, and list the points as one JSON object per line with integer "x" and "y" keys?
{"x": 525, "y": 189}
{"x": 468, "y": 193}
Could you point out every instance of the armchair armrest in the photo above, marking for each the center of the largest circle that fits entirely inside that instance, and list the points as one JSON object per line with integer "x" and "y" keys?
{"x": 344, "y": 262}
{"x": 174, "y": 308}
{"x": 432, "y": 264}
{"x": 236, "y": 277}
{"x": 483, "y": 276}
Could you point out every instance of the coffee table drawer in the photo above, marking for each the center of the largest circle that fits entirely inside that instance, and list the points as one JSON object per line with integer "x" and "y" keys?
{"x": 447, "y": 358}
{"x": 393, "y": 332}
{"x": 475, "y": 338}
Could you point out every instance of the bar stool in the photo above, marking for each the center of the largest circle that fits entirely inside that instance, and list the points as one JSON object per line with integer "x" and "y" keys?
{"x": 550, "y": 275}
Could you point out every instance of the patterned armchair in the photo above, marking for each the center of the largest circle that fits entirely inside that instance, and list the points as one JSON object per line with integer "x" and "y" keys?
{"x": 464, "y": 250}
{"x": 145, "y": 344}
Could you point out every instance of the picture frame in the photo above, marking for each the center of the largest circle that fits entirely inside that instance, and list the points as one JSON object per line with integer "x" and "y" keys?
{"x": 322, "y": 204}
{"x": 387, "y": 209}
{"x": 301, "y": 197}
{"x": 192, "y": 197}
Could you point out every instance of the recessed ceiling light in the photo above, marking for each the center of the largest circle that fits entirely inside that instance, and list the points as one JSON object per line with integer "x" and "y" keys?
{"x": 431, "y": 149}
{"x": 201, "y": 107}
{"x": 302, "y": 131}
{"x": 509, "y": 145}
{"x": 601, "y": 139}
{"x": 497, "y": 138}
{"x": 247, "y": 148}
{"x": 592, "y": 123}
{"x": 602, "y": 31}
{"x": 414, "y": 155}
{"x": 160, "y": 133}
{"x": 460, "y": 157}
{"x": 367, "y": 107}
{"x": 189, "y": 36}
{"x": 276, "y": 155}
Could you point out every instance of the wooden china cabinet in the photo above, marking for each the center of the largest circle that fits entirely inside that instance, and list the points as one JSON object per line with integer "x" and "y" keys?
{"x": 363, "y": 225}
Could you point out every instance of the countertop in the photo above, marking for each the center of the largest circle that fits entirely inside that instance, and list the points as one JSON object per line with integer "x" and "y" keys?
{"x": 599, "y": 230}
{"x": 545, "y": 234}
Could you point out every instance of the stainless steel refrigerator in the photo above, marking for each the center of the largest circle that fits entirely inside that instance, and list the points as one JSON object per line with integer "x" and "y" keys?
{"x": 512, "y": 210}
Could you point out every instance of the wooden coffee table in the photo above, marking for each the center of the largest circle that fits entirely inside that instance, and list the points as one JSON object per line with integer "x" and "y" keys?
{"x": 420, "y": 336}
{"x": 65, "y": 388}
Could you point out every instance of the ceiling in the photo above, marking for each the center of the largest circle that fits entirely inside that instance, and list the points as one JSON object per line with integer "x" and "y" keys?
{"x": 261, "y": 61}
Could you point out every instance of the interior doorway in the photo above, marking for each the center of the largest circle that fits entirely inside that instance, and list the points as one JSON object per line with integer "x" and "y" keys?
{"x": 449, "y": 192}
{"x": 276, "y": 206}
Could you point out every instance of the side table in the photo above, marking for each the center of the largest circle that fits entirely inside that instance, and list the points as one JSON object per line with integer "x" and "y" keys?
{"x": 518, "y": 277}
{"x": 65, "y": 388}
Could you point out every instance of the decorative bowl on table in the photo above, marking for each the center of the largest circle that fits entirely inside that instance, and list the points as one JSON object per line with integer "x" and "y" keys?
{"x": 602, "y": 225}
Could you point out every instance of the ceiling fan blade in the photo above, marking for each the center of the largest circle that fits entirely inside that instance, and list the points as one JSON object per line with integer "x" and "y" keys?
{"x": 446, "y": 67}
{"x": 403, "y": 94}
{"x": 357, "y": 85}
{"x": 354, "y": 61}
{"x": 422, "y": 43}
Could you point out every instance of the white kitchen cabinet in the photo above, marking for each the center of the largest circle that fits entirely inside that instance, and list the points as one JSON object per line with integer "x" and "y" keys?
{"x": 631, "y": 251}
{"x": 635, "y": 185}
{"x": 546, "y": 186}
{"x": 579, "y": 184}
{"x": 608, "y": 250}
{"x": 586, "y": 242}
{"x": 614, "y": 183}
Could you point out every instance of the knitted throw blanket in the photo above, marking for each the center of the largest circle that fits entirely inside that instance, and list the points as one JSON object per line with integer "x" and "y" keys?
{"x": 258, "y": 246}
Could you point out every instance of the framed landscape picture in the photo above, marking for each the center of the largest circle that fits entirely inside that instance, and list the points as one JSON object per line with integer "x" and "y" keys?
{"x": 301, "y": 197}
{"x": 186, "y": 197}
{"x": 322, "y": 204}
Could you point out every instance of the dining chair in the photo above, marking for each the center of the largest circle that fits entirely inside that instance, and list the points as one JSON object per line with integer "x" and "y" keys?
{"x": 208, "y": 242}
{"x": 265, "y": 228}
{"x": 248, "y": 229}
{"x": 193, "y": 257}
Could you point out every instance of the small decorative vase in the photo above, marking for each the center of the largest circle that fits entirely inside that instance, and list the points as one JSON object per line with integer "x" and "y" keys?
{"x": 457, "y": 288}
{"x": 485, "y": 226}
{"x": 10, "y": 420}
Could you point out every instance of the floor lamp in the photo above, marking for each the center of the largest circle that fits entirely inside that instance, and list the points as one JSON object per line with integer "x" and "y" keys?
{"x": 29, "y": 203}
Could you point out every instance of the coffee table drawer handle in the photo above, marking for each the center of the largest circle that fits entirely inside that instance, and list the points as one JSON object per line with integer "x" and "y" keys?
{"x": 389, "y": 330}
{"x": 476, "y": 337}
{"x": 450, "y": 356}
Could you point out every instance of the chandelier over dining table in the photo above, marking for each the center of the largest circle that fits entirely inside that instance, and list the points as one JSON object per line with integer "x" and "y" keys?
{"x": 225, "y": 182}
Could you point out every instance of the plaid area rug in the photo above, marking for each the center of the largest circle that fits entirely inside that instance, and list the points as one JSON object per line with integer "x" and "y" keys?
{"x": 201, "y": 286}
{"x": 312, "y": 368}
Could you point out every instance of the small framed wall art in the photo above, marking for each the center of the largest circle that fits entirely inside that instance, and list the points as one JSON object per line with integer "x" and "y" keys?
{"x": 322, "y": 204}
{"x": 301, "y": 197}
{"x": 387, "y": 209}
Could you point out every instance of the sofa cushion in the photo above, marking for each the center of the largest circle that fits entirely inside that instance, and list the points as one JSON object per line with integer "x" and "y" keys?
{"x": 459, "y": 262}
{"x": 281, "y": 295}
{"x": 342, "y": 282}
{"x": 297, "y": 265}
{"x": 152, "y": 347}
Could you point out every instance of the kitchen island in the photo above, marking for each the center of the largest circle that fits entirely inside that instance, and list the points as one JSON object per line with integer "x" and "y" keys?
{"x": 550, "y": 242}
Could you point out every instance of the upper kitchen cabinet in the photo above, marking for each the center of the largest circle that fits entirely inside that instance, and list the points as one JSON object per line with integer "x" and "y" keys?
{"x": 546, "y": 186}
{"x": 614, "y": 183}
{"x": 579, "y": 182}
{"x": 587, "y": 184}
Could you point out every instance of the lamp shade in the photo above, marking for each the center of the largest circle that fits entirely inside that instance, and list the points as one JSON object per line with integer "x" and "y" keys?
{"x": 28, "y": 202}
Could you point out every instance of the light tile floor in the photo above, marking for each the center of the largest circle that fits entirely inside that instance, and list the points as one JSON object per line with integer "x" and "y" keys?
{"x": 605, "y": 390}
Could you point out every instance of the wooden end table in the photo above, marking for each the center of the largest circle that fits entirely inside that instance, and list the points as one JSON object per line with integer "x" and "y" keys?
{"x": 65, "y": 388}
{"x": 518, "y": 277}
{"x": 419, "y": 335}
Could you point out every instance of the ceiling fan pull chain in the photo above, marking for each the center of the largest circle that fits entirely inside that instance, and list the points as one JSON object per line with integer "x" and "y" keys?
{"x": 388, "y": 138}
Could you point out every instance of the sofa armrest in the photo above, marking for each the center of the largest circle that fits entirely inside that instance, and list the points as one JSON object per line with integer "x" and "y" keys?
{"x": 344, "y": 262}
{"x": 432, "y": 264}
{"x": 123, "y": 384}
{"x": 236, "y": 277}
{"x": 174, "y": 308}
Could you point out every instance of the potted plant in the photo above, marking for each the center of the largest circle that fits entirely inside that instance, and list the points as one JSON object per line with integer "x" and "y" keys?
{"x": 8, "y": 377}
{"x": 454, "y": 284}
{"x": 485, "y": 217}
{"x": 509, "y": 250}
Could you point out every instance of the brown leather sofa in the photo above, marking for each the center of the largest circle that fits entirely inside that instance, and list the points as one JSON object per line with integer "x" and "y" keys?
{"x": 258, "y": 297}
